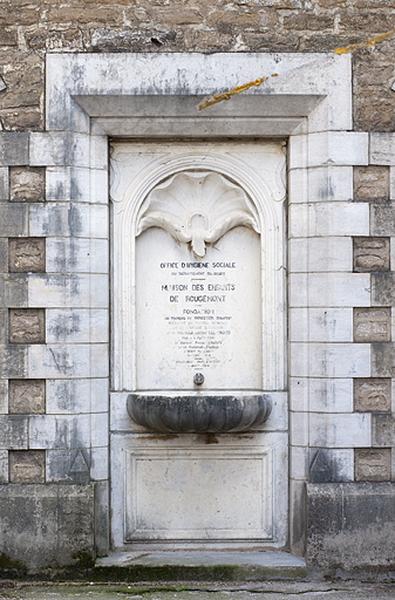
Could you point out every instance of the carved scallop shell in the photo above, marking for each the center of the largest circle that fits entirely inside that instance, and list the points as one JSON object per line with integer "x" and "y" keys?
{"x": 197, "y": 208}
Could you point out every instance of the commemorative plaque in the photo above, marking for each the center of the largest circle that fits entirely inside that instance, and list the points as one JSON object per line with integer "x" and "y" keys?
{"x": 198, "y": 287}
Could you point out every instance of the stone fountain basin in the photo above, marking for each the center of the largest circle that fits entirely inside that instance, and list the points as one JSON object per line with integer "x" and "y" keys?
{"x": 199, "y": 414}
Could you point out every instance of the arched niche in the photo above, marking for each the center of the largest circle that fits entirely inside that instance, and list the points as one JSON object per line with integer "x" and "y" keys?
{"x": 259, "y": 218}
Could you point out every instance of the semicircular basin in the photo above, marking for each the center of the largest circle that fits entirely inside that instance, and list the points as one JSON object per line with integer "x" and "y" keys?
{"x": 199, "y": 414}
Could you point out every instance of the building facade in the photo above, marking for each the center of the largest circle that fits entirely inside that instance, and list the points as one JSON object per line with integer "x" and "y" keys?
{"x": 170, "y": 239}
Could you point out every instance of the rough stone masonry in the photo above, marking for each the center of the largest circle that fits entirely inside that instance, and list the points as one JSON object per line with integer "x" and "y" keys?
{"x": 52, "y": 471}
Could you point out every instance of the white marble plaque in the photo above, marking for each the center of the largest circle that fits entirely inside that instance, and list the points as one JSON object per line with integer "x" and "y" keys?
{"x": 198, "y": 315}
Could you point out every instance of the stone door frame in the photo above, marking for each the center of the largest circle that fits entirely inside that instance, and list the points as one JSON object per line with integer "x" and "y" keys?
{"x": 93, "y": 97}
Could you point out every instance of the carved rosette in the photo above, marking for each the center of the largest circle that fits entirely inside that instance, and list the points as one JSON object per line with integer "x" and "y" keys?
{"x": 197, "y": 208}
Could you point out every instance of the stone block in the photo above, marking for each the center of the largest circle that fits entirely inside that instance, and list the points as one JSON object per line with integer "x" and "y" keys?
{"x": 340, "y": 430}
{"x": 320, "y": 254}
{"x": 321, "y": 395}
{"x": 27, "y": 466}
{"x": 68, "y": 291}
{"x": 26, "y": 255}
{"x": 320, "y": 324}
{"x": 316, "y": 359}
{"x": 14, "y": 148}
{"x": 329, "y": 289}
{"x": 60, "y": 432}
{"x": 13, "y": 219}
{"x": 326, "y": 219}
{"x": 68, "y": 465}
{"x": 321, "y": 184}
{"x": 77, "y": 325}
{"x": 68, "y": 361}
{"x": 102, "y": 520}
{"x": 4, "y": 184}
{"x": 372, "y": 324}
{"x": 3, "y": 326}
{"x": 27, "y": 326}
{"x": 371, "y": 184}
{"x": 327, "y": 465}
{"x": 47, "y": 525}
{"x": 13, "y": 432}
{"x": 27, "y": 184}
{"x": 13, "y": 289}
{"x": 384, "y": 430}
{"x": 299, "y": 428}
{"x": 3, "y": 396}
{"x": 373, "y": 464}
{"x": 26, "y": 396}
{"x": 77, "y": 396}
{"x": 13, "y": 361}
{"x": 382, "y": 148}
{"x": 371, "y": 254}
{"x": 55, "y": 148}
{"x": 3, "y": 255}
{"x": 372, "y": 395}
{"x": 383, "y": 360}
{"x": 329, "y": 148}
{"x": 383, "y": 289}
{"x": 68, "y": 219}
{"x": 3, "y": 466}
{"x": 76, "y": 255}
{"x": 100, "y": 464}
{"x": 350, "y": 526}
{"x": 382, "y": 219}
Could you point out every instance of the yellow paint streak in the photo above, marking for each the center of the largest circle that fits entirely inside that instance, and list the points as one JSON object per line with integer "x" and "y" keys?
{"x": 370, "y": 43}
{"x": 227, "y": 95}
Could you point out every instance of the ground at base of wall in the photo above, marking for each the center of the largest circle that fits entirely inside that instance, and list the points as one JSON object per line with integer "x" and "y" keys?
{"x": 199, "y": 591}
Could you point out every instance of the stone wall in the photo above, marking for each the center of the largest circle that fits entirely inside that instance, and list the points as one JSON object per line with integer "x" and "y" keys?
{"x": 30, "y": 28}
{"x": 46, "y": 419}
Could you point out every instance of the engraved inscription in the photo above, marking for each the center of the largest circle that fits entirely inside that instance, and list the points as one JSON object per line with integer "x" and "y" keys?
{"x": 198, "y": 315}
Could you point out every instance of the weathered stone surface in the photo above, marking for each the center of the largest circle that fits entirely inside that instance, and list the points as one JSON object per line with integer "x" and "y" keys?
{"x": 13, "y": 361}
{"x": 272, "y": 26}
{"x": 3, "y": 255}
{"x": 14, "y": 148}
{"x": 27, "y": 466}
{"x": 383, "y": 289}
{"x": 13, "y": 219}
{"x": 382, "y": 219}
{"x": 372, "y": 395}
{"x": 3, "y": 326}
{"x": 371, "y": 183}
{"x": 46, "y": 525}
{"x": 371, "y": 254}
{"x": 26, "y": 396}
{"x": 27, "y": 326}
{"x": 4, "y": 184}
{"x": 373, "y": 464}
{"x": 27, "y": 184}
{"x": 205, "y": 414}
{"x": 13, "y": 289}
{"x": 13, "y": 432}
{"x": 342, "y": 517}
{"x": 4, "y": 466}
{"x": 102, "y": 517}
{"x": 328, "y": 465}
{"x": 3, "y": 397}
{"x": 72, "y": 466}
{"x": 372, "y": 324}
{"x": 384, "y": 430}
{"x": 382, "y": 148}
{"x": 383, "y": 360}
{"x": 26, "y": 254}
